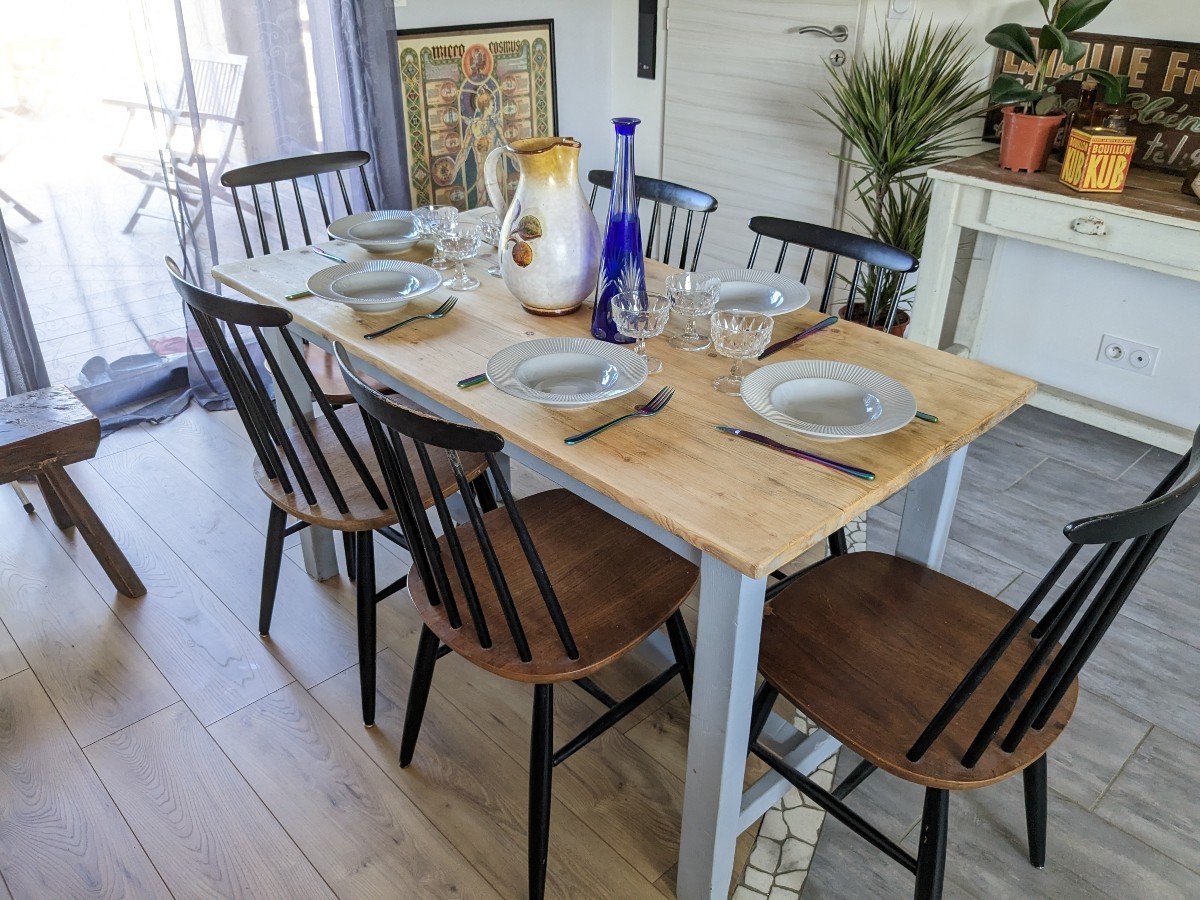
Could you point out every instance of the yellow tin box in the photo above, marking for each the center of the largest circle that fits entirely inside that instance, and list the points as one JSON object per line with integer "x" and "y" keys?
{"x": 1097, "y": 160}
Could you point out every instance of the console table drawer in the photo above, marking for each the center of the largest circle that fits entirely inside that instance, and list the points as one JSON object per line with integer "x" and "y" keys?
{"x": 1108, "y": 231}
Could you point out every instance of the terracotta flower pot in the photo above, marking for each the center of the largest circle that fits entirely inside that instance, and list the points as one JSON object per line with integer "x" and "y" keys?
{"x": 1026, "y": 141}
{"x": 860, "y": 317}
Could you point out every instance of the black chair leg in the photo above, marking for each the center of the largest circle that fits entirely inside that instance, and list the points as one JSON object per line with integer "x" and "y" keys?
{"x": 418, "y": 693}
{"x": 541, "y": 754}
{"x": 484, "y": 493}
{"x": 764, "y": 700}
{"x": 349, "y": 544}
{"x": 1036, "y": 783}
{"x": 365, "y": 586}
{"x": 272, "y": 559}
{"x": 681, "y": 646}
{"x": 931, "y": 854}
{"x": 838, "y": 545}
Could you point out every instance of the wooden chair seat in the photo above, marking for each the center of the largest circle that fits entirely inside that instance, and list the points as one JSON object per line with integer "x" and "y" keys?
{"x": 616, "y": 586}
{"x": 329, "y": 377}
{"x": 869, "y": 646}
{"x": 363, "y": 512}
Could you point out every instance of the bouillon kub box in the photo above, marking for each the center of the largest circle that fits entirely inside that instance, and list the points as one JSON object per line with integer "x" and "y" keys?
{"x": 1097, "y": 159}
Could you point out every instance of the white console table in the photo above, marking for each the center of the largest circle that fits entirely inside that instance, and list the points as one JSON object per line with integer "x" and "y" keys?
{"x": 1152, "y": 225}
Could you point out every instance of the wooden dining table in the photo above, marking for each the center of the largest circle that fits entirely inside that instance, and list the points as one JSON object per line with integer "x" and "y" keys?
{"x": 736, "y": 509}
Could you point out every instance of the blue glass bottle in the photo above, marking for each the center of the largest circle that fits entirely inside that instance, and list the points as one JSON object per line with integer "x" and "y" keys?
{"x": 622, "y": 267}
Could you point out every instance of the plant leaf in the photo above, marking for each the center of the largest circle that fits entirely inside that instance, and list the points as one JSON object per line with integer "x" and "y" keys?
{"x": 1015, "y": 39}
{"x": 1075, "y": 14}
{"x": 1051, "y": 39}
{"x": 1008, "y": 89}
{"x": 1115, "y": 85}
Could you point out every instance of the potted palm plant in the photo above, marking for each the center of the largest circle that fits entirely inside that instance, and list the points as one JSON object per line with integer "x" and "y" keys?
{"x": 902, "y": 108}
{"x": 1033, "y": 112}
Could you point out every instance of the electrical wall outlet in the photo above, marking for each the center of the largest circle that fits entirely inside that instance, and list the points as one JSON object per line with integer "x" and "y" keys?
{"x": 1126, "y": 354}
{"x": 901, "y": 10}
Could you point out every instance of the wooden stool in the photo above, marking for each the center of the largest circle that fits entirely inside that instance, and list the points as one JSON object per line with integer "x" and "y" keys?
{"x": 42, "y": 431}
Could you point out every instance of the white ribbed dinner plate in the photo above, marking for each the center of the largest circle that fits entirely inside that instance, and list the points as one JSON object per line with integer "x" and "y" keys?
{"x": 378, "y": 231}
{"x": 566, "y": 372}
{"x": 760, "y": 291}
{"x": 377, "y": 285}
{"x": 828, "y": 400}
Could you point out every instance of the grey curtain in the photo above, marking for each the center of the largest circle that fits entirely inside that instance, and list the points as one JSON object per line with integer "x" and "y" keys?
{"x": 364, "y": 44}
{"x": 23, "y": 366}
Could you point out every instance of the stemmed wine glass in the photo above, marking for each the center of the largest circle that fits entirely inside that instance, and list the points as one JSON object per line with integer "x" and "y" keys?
{"x": 739, "y": 335}
{"x": 489, "y": 230}
{"x": 641, "y": 315}
{"x": 693, "y": 295}
{"x": 458, "y": 243}
{"x": 430, "y": 220}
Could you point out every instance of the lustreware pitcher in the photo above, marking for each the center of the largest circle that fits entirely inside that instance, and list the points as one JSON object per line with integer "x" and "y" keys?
{"x": 550, "y": 243}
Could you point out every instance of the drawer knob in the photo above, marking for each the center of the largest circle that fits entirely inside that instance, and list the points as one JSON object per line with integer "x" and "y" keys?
{"x": 1089, "y": 225}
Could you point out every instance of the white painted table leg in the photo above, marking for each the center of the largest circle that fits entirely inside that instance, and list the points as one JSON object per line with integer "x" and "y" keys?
{"x": 928, "y": 511}
{"x": 939, "y": 255}
{"x": 731, "y": 608}
{"x": 320, "y": 560}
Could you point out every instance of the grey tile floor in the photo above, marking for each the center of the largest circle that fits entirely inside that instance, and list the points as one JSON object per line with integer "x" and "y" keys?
{"x": 1125, "y": 777}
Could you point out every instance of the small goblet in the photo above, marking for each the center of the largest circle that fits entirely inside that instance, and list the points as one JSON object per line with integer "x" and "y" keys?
{"x": 693, "y": 295}
{"x": 641, "y": 315}
{"x": 489, "y": 229}
{"x": 430, "y": 220}
{"x": 458, "y": 243}
{"x": 739, "y": 335}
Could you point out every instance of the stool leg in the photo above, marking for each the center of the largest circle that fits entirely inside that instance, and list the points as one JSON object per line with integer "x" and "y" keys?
{"x": 23, "y": 497}
{"x": 58, "y": 512}
{"x": 109, "y": 555}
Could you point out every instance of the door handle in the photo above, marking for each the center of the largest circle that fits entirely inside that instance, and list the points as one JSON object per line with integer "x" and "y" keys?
{"x": 838, "y": 33}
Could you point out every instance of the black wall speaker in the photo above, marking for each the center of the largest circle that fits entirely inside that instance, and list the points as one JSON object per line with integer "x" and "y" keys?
{"x": 647, "y": 37}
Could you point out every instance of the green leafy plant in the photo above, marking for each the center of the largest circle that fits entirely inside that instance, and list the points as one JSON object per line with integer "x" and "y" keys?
{"x": 902, "y": 108}
{"x": 1054, "y": 42}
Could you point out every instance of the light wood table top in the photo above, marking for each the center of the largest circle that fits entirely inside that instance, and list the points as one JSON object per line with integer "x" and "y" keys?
{"x": 748, "y": 506}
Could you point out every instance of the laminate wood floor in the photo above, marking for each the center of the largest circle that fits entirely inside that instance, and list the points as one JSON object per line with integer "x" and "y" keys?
{"x": 159, "y": 747}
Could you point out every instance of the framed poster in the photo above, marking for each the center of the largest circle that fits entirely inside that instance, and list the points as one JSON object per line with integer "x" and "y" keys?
{"x": 1164, "y": 90}
{"x": 465, "y": 90}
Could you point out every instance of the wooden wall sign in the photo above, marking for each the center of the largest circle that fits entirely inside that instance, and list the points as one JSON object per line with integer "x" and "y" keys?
{"x": 1164, "y": 90}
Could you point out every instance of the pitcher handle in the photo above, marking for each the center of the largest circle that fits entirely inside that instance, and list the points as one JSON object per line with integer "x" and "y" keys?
{"x": 491, "y": 179}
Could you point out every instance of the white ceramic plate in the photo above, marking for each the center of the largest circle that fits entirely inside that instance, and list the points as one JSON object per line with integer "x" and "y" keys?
{"x": 760, "y": 292}
{"x": 378, "y": 285}
{"x": 382, "y": 231}
{"x": 828, "y": 400}
{"x": 566, "y": 372}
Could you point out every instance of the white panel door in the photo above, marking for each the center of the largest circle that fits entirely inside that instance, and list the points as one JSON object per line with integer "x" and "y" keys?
{"x": 739, "y": 122}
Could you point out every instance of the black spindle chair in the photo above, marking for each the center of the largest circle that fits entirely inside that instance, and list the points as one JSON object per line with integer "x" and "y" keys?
{"x": 319, "y": 471}
{"x": 943, "y": 685}
{"x": 287, "y": 181}
{"x": 880, "y": 267}
{"x": 673, "y": 196}
{"x": 543, "y": 590}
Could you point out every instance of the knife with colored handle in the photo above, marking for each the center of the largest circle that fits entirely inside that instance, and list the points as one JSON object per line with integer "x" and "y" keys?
{"x": 297, "y": 294}
{"x": 802, "y": 454}
{"x": 327, "y": 254}
{"x": 927, "y": 417}
{"x": 787, "y": 342}
{"x": 473, "y": 380}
